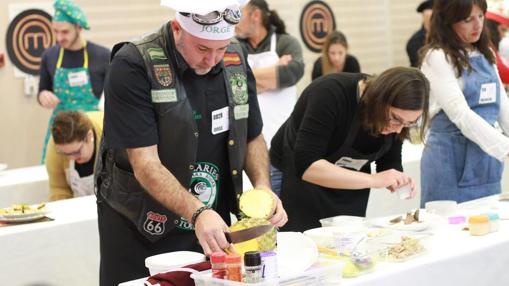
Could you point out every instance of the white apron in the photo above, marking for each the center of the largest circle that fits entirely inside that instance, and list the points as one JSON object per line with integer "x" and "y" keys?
{"x": 275, "y": 106}
{"x": 79, "y": 186}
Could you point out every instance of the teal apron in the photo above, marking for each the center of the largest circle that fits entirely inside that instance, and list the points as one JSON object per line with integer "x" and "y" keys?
{"x": 452, "y": 166}
{"x": 72, "y": 86}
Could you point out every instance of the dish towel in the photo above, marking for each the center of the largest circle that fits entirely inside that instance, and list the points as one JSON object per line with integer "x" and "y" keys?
{"x": 179, "y": 276}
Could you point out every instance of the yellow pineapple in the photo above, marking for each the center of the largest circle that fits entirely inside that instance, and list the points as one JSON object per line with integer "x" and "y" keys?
{"x": 263, "y": 243}
{"x": 257, "y": 204}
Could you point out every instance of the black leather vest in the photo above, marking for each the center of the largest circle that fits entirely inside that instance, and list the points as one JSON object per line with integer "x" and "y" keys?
{"x": 178, "y": 136}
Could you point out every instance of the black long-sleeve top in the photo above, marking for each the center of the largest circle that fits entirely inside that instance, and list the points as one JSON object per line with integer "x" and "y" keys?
{"x": 322, "y": 118}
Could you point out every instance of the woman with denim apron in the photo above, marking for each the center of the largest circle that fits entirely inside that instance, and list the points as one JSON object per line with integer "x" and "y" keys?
{"x": 342, "y": 123}
{"x": 462, "y": 159}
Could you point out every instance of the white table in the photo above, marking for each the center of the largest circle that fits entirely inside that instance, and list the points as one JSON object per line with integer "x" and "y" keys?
{"x": 60, "y": 252}
{"x": 24, "y": 185}
{"x": 454, "y": 257}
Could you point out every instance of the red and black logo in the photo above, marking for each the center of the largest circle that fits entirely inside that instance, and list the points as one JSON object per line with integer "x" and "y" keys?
{"x": 28, "y": 35}
{"x": 316, "y": 22}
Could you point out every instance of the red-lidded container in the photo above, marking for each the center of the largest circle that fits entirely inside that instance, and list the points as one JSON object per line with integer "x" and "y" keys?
{"x": 217, "y": 261}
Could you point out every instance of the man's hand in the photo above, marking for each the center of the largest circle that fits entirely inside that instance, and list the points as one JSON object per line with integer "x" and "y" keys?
{"x": 279, "y": 218}
{"x": 210, "y": 228}
{"x": 48, "y": 99}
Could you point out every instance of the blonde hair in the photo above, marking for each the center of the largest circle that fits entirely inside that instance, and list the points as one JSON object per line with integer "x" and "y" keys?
{"x": 334, "y": 37}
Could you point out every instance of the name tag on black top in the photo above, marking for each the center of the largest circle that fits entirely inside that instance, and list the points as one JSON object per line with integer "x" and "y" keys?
{"x": 350, "y": 163}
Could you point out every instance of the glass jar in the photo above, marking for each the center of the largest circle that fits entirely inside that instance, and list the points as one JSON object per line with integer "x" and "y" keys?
{"x": 252, "y": 267}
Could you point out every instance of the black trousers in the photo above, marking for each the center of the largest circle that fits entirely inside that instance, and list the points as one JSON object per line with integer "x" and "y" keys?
{"x": 123, "y": 249}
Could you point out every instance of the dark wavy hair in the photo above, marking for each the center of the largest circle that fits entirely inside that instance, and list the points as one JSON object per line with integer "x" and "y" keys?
{"x": 442, "y": 36}
{"x": 400, "y": 87}
{"x": 269, "y": 17}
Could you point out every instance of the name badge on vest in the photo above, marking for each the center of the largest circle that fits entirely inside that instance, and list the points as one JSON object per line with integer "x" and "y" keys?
{"x": 77, "y": 78}
{"x": 351, "y": 163}
{"x": 220, "y": 120}
{"x": 488, "y": 93}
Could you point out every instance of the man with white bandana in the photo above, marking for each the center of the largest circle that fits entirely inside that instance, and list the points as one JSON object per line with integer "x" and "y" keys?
{"x": 181, "y": 124}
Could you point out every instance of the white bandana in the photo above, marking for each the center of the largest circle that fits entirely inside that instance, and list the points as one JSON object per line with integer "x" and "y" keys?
{"x": 220, "y": 31}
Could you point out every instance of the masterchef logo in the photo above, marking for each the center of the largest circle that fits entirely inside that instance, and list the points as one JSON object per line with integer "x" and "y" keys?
{"x": 28, "y": 35}
{"x": 316, "y": 21}
{"x": 156, "y": 217}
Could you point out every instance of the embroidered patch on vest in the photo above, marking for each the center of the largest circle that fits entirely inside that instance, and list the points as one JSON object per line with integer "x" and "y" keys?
{"x": 154, "y": 223}
{"x": 241, "y": 111}
{"x": 238, "y": 83}
{"x": 163, "y": 95}
{"x": 156, "y": 54}
{"x": 231, "y": 59}
{"x": 163, "y": 74}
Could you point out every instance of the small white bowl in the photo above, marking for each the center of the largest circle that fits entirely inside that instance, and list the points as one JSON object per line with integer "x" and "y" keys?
{"x": 167, "y": 261}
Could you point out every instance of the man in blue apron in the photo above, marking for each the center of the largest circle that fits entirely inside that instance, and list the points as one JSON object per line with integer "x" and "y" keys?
{"x": 277, "y": 63}
{"x": 72, "y": 72}
{"x": 181, "y": 124}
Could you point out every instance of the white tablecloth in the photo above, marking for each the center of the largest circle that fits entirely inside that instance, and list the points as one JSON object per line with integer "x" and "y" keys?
{"x": 60, "y": 252}
{"x": 24, "y": 185}
{"x": 454, "y": 257}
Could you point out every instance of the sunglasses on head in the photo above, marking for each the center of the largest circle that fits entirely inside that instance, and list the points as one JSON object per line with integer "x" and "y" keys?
{"x": 214, "y": 17}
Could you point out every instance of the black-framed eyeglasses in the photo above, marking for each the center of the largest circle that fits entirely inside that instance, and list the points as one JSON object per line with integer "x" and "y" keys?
{"x": 229, "y": 15}
{"x": 73, "y": 153}
{"x": 396, "y": 122}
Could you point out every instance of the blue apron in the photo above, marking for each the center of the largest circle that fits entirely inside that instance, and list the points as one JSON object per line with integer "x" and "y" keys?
{"x": 452, "y": 166}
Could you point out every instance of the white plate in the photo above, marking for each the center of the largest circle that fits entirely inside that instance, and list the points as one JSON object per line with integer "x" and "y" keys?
{"x": 415, "y": 226}
{"x": 23, "y": 217}
{"x": 3, "y": 167}
{"x": 295, "y": 253}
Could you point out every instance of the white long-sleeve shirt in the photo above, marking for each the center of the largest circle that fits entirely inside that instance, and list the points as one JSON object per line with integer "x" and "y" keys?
{"x": 447, "y": 95}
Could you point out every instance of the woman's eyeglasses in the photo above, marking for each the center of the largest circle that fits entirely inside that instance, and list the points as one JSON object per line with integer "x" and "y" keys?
{"x": 230, "y": 16}
{"x": 395, "y": 122}
{"x": 73, "y": 153}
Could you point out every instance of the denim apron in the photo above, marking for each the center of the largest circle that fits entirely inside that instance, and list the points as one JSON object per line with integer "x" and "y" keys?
{"x": 452, "y": 166}
{"x": 72, "y": 86}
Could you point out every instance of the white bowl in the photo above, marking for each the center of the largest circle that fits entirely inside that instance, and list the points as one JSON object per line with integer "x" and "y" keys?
{"x": 343, "y": 220}
{"x": 441, "y": 208}
{"x": 167, "y": 261}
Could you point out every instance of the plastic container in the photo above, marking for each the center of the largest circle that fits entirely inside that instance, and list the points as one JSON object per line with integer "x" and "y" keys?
{"x": 404, "y": 192}
{"x": 456, "y": 219}
{"x": 442, "y": 208}
{"x": 479, "y": 225}
{"x": 269, "y": 265}
{"x": 218, "y": 266}
{"x": 233, "y": 267}
{"x": 494, "y": 221}
{"x": 343, "y": 221}
{"x": 326, "y": 272}
{"x": 167, "y": 261}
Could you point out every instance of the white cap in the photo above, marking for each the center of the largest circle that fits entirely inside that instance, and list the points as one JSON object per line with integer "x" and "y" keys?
{"x": 220, "y": 31}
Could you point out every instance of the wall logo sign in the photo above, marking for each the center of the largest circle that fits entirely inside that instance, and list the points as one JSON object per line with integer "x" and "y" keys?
{"x": 316, "y": 21}
{"x": 28, "y": 35}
